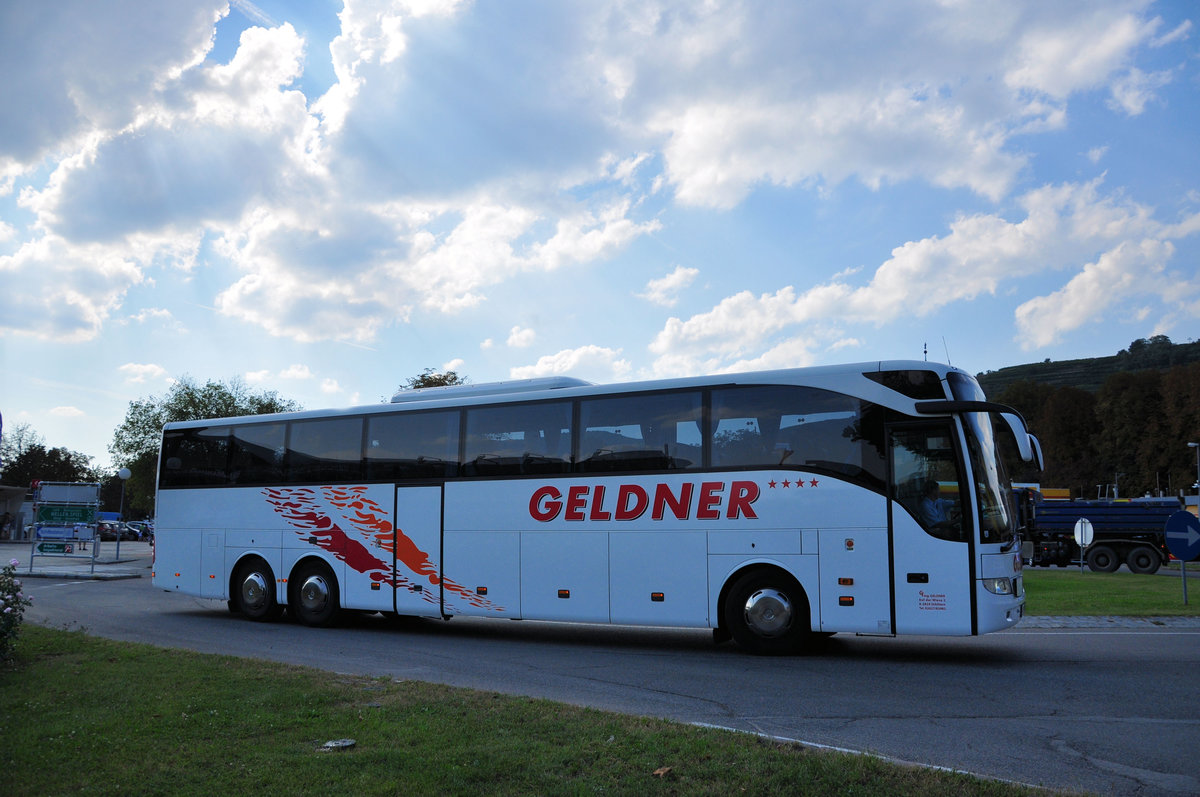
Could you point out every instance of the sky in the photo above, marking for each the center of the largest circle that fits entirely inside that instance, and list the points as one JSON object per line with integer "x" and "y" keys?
{"x": 324, "y": 198}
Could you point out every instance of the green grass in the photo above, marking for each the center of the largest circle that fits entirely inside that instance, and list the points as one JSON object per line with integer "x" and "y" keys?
{"x": 80, "y": 714}
{"x": 1066, "y": 591}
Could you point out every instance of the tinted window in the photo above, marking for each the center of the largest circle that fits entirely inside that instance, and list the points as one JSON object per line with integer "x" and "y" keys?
{"x": 518, "y": 439}
{"x": 799, "y": 427}
{"x": 914, "y": 384}
{"x": 658, "y": 431}
{"x": 412, "y": 446}
{"x": 195, "y": 457}
{"x": 258, "y": 454}
{"x": 328, "y": 450}
{"x": 928, "y": 482}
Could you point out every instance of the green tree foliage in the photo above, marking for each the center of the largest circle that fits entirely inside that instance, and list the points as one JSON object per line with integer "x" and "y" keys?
{"x": 136, "y": 441}
{"x": 27, "y": 459}
{"x": 1133, "y": 432}
{"x": 431, "y": 378}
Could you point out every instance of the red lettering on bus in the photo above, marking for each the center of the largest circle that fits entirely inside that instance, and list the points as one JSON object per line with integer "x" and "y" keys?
{"x": 631, "y": 502}
{"x": 709, "y": 507}
{"x": 741, "y": 496}
{"x": 545, "y": 504}
{"x": 598, "y": 512}
{"x": 576, "y": 501}
{"x": 680, "y": 506}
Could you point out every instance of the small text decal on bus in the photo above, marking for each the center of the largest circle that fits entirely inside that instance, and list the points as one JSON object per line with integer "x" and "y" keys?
{"x": 707, "y": 501}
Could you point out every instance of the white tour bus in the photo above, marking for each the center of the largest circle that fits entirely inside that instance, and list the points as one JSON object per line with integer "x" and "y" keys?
{"x": 770, "y": 507}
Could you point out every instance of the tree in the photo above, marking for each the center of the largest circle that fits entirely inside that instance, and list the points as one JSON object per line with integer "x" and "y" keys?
{"x": 16, "y": 441}
{"x": 136, "y": 441}
{"x": 49, "y": 465}
{"x": 431, "y": 378}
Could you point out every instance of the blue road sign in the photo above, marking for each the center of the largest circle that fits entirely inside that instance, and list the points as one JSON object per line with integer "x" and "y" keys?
{"x": 1183, "y": 535}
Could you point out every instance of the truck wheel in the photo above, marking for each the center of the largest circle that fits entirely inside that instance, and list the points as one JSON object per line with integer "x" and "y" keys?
{"x": 1143, "y": 559}
{"x": 1102, "y": 559}
{"x": 766, "y": 612}
{"x": 254, "y": 590}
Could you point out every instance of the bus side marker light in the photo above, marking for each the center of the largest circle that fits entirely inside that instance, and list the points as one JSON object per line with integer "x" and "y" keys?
{"x": 657, "y": 597}
{"x": 849, "y": 544}
{"x": 564, "y": 593}
{"x": 481, "y": 590}
{"x": 375, "y": 585}
{"x": 846, "y": 600}
{"x": 845, "y": 582}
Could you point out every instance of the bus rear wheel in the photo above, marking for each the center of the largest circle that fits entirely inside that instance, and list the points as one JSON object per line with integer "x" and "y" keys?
{"x": 254, "y": 591}
{"x": 1143, "y": 559}
{"x": 766, "y": 613}
{"x": 313, "y": 594}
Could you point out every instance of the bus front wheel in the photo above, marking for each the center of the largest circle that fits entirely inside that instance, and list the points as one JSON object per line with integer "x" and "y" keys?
{"x": 766, "y": 612}
{"x": 313, "y": 594}
{"x": 254, "y": 591}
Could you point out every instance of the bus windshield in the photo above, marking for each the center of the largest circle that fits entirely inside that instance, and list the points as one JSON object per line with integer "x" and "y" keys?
{"x": 994, "y": 507}
{"x": 996, "y": 516}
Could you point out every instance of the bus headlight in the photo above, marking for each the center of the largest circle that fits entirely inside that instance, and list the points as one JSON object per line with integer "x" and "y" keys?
{"x": 998, "y": 586}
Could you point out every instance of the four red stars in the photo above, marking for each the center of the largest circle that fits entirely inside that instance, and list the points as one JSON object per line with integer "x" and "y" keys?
{"x": 799, "y": 483}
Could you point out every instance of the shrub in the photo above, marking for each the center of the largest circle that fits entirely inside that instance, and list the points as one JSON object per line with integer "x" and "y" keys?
{"x": 12, "y": 609}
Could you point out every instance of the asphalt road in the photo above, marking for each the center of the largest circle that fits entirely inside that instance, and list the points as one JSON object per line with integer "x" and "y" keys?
{"x": 1109, "y": 711}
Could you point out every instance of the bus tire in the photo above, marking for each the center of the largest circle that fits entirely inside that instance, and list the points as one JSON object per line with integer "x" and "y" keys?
{"x": 254, "y": 590}
{"x": 766, "y": 612}
{"x": 1143, "y": 559}
{"x": 313, "y": 594}
{"x": 1102, "y": 559}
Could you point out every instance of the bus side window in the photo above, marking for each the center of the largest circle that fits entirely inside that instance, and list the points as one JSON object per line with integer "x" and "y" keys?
{"x": 654, "y": 432}
{"x": 327, "y": 450}
{"x": 258, "y": 454}
{"x": 927, "y": 479}
{"x": 195, "y": 457}
{"x": 421, "y": 445}
{"x": 518, "y": 439}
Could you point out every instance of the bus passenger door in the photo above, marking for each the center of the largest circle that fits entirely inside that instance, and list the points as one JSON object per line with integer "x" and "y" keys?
{"x": 418, "y": 550}
{"x": 930, "y": 530}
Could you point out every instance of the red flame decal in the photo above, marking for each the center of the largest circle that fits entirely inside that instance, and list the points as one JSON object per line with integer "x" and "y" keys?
{"x": 308, "y": 509}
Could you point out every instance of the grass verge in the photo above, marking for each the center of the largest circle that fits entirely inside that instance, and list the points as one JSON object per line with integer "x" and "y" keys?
{"x": 86, "y": 714}
{"x": 1066, "y": 591}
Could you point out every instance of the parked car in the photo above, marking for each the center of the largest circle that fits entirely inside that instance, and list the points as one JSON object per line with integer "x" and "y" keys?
{"x": 111, "y": 529}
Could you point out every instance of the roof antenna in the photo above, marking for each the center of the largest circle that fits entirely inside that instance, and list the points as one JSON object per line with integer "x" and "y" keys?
{"x": 925, "y": 349}
{"x": 947, "y": 348}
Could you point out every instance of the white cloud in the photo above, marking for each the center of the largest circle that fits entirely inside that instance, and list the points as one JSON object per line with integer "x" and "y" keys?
{"x": 663, "y": 291}
{"x": 330, "y": 386}
{"x": 297, "y": 371}
{"x": 67, "y": 412}
{"x": 1128, "y": 269}
{"x": 1064, "y": 227}
{"x": 597, "y": 363}
{"x": 74, "y": 68}
{"x": 519, "y": 338}
{"x": 67, "y": 292}
{"x": 140, "y": 372}
{"x": 258, "y": 377}
{"x": 1096, "y": 153}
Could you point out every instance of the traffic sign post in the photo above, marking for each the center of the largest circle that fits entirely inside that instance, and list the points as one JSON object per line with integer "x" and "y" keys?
{"x": 1084, "y": 534}
{"x": 1183, "y": 541}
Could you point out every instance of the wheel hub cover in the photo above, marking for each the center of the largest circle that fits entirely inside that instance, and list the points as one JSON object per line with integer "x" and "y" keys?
{"x": 314, "y": 593}
{"x": 768, "y": 612}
